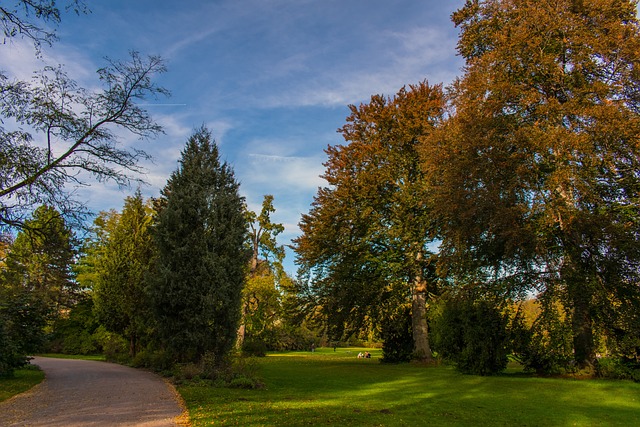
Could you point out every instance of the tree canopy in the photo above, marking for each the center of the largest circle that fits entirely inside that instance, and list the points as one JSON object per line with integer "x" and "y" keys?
{"x": 119, "y": 289}
{"x": 22, "y": 19}
{"x": 365, "y": 242}
{"x": 535, "y": 173}
{"x": 62, "y": 130}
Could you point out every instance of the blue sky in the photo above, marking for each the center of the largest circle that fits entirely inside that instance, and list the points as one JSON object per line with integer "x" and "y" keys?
{"x": 272, "y": 79}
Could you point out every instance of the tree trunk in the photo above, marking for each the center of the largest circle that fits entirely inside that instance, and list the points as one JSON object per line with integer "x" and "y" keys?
{"x": 422, "y": 349}
{"x": 242, "y": 327}
{"x": 582, "y": 329}
{"x": 132, "y": 345}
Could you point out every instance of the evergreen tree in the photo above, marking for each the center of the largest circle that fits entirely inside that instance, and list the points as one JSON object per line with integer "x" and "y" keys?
{"x": 40, "y": 260}
{"x": 119, "y": 290}
{"x": 200, "y": 264}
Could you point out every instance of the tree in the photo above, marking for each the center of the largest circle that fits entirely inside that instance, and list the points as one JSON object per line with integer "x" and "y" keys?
{"x": 119, "y": 291}
{"x": 535, "y": 175}
{"x": 36, "y": 286}
{"x": 365, "y": 240}
{"x": 260, "y": 302}
{"x": 20, "y": 20}
{"x": 201, "y": 262}
{"x": 71, "y": 134}
{"x": 58, "y": 133}
{"x": 262, "y": 236}
{"x": 41, "y": 261}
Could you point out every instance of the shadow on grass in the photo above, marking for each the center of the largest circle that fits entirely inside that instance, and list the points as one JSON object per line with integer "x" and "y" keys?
{"x": 313, "y": 389}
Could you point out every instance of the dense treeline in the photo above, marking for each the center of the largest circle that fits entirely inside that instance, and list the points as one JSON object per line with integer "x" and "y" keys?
{"x": 492, "y": 219}
{"x": 523, "y": 173}
{"x": 159, "y": 283}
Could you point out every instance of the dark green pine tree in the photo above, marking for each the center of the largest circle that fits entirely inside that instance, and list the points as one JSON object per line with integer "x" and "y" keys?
{"x": 199, "y": 272}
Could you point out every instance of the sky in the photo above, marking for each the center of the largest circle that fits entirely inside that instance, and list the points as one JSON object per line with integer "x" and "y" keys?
{"x": 272, "y": 80}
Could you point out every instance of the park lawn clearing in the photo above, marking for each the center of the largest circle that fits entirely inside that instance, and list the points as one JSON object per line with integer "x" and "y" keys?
{"x": 335, "y": 388}
{"x": 21, "y": 381}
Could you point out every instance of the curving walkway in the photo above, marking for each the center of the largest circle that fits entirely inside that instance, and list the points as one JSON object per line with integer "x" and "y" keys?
{"x": 89, "y": 393}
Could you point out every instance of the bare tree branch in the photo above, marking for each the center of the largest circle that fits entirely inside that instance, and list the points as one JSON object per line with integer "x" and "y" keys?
{"x": 71, "y": 130}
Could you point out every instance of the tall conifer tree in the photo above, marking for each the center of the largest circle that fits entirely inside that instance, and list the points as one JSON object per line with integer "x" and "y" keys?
{"x": 200, "y": 265}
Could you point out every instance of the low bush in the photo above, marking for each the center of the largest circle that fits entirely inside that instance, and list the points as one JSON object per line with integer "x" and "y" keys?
{"x": 254, "y": 347}
{"x": 619, "y": 369}
{"x": 397, "y": 338}
{"x": 471, "y": 333}
{"x": 236, "y": 372}
{"x": 549, "y": 347}
{"x": 115, "y": 347}
{"x": 153, "y": 359}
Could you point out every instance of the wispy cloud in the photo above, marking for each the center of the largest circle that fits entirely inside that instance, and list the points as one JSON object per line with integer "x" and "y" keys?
{"x": 290, "y": 173}
{"x": 18, "y": 60}
{"x": 403, "y": 58}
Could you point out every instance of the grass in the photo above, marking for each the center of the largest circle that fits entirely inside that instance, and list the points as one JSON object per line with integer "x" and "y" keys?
{"x": 99, "y": 357}
{"x": 22, "y": 380}
{"x": 336, "y": 388}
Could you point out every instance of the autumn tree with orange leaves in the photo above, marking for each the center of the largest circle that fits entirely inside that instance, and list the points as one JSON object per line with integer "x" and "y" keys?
{"x": 535, "y": 177}
{"x": 365, "y": 242}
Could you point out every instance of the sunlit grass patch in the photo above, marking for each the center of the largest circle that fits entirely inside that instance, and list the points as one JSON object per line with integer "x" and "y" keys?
{"x": 99, "y": 357}
{"x": 21, "y": 381}
{"x": 336, "y": 388}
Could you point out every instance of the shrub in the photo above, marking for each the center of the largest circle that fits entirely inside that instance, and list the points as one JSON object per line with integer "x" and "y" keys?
{"x": 549, "y": 349}
{"x": 620, "y": 369}
{"x": 11, "y": 358}
{"x": 238, "y": 372}
{"x": 153, "y": 359}
{"x": 471, "y": 333}
{"x": 114, "y": 346}
{"x": 22, "y": 320}
{"x": 245, "y": 383}
{"x": 254, "y": 347}
{"x": 285, "y": 337}
{"x": 244, "y": 374}
{"x": 397, "y": 338}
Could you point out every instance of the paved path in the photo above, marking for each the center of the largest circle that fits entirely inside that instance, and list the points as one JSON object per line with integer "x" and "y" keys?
{"x": 87, "y": 393}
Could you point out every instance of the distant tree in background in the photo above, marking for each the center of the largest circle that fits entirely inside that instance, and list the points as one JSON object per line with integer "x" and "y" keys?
{"x": 261, "y": 298}
{"x": 119, "y": 290}
{"x": 201, "y": 261}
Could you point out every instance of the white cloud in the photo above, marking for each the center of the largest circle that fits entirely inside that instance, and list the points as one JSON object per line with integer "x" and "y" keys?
{"x": 293, "y": 174}
{"x": 19, "y": 60}
{"x": 400, "y": 58}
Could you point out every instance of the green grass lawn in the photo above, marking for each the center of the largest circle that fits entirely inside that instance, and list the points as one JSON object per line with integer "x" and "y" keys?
{"x": 22, "y": 381}
{"x": 336, "y": 388}
{"x": 99, "y": 357}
